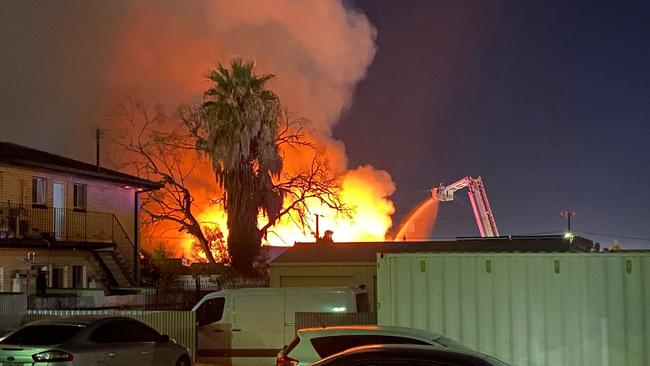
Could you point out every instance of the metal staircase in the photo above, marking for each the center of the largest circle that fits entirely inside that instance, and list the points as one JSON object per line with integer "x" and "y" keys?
{"x": 119, "y": 261}
{"x": 111, "y": 264}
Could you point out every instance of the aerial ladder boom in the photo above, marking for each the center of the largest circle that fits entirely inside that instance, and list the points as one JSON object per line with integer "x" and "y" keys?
{"x": 482, "y": 212}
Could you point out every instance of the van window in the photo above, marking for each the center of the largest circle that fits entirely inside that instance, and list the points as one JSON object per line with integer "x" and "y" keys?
{"x": 327, "y": 346}
{"x": 210, "y": 311}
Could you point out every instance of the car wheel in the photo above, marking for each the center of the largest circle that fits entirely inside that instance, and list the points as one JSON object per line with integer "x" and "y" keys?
{"x": 184, "y": 360}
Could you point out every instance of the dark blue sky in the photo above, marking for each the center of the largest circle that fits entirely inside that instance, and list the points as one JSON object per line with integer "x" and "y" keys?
{"x": 548, "y": 101}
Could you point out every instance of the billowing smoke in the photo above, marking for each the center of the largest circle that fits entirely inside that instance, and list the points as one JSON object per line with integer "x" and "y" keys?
{"x": 319, "y": 51}
{"x": 161, "y": 51}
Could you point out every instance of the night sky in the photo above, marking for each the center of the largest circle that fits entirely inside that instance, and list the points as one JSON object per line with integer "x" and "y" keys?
{"x": 549, "y": 102}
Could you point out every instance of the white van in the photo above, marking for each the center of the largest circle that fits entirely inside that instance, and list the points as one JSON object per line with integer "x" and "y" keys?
{"x": 250, "y": 326}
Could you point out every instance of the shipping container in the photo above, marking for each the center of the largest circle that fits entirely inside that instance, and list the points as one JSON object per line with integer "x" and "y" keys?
{"x": 528, "y": 309}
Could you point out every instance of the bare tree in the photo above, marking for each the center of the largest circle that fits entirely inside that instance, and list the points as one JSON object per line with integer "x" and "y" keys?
{"x": 165, "y": 152}
{"x": 166, "y": 149}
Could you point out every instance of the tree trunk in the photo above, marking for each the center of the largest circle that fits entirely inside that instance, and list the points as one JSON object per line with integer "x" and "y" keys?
{"x": 195, "y": 230}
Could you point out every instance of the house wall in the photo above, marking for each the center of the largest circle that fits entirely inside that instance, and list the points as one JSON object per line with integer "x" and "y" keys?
{"x": 13, "y": 261}
{"x": 326, "y": 274}
{"x": 102, "y": 196}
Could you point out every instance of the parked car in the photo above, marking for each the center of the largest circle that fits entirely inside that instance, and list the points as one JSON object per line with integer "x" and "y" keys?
{"x": 313, "y": 344}
{"x": 86, "y": 341}
{"x": 407, "y": 355}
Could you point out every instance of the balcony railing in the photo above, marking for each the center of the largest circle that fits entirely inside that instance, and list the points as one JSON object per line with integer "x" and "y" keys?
{"x": 20, "y": 221}
{"x": 63, "y": 224}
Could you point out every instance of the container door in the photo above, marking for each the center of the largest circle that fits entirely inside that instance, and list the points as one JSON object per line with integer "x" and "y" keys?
{"x": 258, "y": 329}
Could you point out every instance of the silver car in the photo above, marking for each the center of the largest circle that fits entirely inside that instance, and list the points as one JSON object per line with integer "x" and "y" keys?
{"x": 87, "y": 341}
{"x": 313, "y": 344}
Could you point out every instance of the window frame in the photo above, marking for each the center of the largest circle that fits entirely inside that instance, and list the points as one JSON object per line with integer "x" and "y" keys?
{"x": 39, "y": 182}
{"x": 78, "y": 276}
{"x": 200, "y": 312}
{"x": 76, "y": 189}
{"x": 58, "y": 274}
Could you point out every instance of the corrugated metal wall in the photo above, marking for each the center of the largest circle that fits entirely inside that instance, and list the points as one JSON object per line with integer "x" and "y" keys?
{"x": 12, "y": 311}
{"x": 180, "y": 325}
{"x": 560, "y": 309}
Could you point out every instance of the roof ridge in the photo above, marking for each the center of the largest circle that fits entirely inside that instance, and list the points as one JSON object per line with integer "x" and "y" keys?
{"x": 21, "y": 155}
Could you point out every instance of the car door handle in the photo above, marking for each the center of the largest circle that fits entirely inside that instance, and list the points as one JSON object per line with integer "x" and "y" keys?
{"x": 236, "y": 330}
{"x": 112, "y": 354}
{"x": 218, "y": 331}
{"x": 145, "y": 352}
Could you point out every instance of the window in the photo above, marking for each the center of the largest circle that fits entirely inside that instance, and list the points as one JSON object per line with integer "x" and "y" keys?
{"x": 77, "y": 276}
{"x": 43, "y": 335}
{"x": 38, "y": 191}
{"x": 110, "y": 332}
{"x": 138, "y": 332}
{"x": 327, "y": 346}
{"x": 124, "y": 331}
{"x": 210, "y": 311}
{"x": 79, "y": 196}
{"x": 57, "y": 277}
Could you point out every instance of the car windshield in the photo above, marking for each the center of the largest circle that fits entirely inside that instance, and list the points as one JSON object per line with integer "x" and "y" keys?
{"x": 42, "y": 335}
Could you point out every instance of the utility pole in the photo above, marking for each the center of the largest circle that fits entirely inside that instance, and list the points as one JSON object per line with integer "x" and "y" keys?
{"x": 317, "y": 227}
{"x": 568, "y": 214}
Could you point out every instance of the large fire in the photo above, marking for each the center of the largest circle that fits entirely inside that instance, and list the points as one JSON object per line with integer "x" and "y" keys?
{"x": 365, "y": 191}
{"x": 319, "y": 51}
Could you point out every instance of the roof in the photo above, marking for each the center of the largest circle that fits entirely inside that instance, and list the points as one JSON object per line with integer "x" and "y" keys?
{"x": 360, "y": 252}
{"x": 25, "y": 156}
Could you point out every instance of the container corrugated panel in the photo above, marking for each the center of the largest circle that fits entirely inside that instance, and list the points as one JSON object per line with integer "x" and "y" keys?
{"x": 12, "y": 311}
{"x": 529, "y": 309}
{"x": 179, "y": 325}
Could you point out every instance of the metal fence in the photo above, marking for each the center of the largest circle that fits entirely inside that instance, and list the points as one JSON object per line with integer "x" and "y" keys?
{"x": 26, "y": 220}
{"x": 183, "y": 295}
{"x": 179, "y": 325}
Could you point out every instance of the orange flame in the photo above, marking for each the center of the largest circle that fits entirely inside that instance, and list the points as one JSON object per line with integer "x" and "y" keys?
{"x": 162, "y": 51}
{"x": 365, "y": 191}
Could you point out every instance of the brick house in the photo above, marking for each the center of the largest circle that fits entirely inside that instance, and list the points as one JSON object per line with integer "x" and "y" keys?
{"x": 73, "y": 221}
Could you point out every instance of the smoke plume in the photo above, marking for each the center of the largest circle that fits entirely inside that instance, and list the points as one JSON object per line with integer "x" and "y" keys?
{"x": 160, "y": 51}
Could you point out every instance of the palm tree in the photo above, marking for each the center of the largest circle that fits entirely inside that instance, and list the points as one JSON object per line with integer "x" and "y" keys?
{"x": 242, "y": 118}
